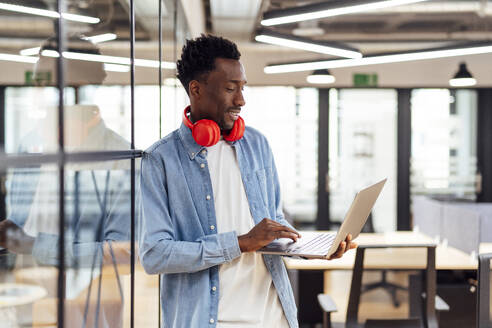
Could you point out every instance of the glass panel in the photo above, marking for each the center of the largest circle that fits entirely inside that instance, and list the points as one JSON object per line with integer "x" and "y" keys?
{"x": 97, "y": 248}
{"x": 31, "y": 118}
{"x": 443, "y": 159}
{"x": 363, "y": 151}
{"x": 28, "y": 288}
{"x": 288, "y": 117}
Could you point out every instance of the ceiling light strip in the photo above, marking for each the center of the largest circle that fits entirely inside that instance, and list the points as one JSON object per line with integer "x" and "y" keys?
{"x": 109, "y": 59}
{"x": 101, "y": 37}
{"x": 317, "y": 11}
{"x": 30, "y": 51}
{"x": 308, "y": 46}
{"x": 49, "y": 13}
{"x": 375, "y": 60}
{"x": 19, "y": 58}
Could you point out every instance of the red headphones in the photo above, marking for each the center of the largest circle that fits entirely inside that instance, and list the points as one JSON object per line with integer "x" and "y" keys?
{"x": 207, "y": 133}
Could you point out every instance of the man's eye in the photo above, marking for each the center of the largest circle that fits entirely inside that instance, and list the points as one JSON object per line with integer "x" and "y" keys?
{"x": 229, "y": 89}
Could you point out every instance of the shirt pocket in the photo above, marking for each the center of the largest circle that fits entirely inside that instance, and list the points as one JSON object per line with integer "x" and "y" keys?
{"x": 266, "y": 190}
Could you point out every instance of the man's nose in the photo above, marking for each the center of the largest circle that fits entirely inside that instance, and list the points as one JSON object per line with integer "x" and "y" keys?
{"x": 239, "y": 99}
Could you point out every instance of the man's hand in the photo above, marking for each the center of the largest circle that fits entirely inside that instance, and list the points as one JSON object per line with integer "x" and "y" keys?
{"x": 344, "y": 246}
{"x": 263, "y": 234}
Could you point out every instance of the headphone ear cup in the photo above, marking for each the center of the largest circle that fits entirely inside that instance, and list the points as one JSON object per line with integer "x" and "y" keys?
{"x": 237, "y": 130}
{"x": 206, "y": 133}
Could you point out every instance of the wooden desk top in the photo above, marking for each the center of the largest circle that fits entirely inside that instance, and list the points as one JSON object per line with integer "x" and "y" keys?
{"x": 447, "y": 258}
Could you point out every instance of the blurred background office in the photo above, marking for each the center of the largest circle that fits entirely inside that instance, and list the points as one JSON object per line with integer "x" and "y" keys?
{"x": 357, "y": 93}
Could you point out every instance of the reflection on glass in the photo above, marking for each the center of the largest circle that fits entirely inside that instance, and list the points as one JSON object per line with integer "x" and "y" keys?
{"x": 443, "y": 159}
{"x": 28, "y": 110}
{"x": 96, "y": 249}
{"x": 363, "y": 151}
{"x": 24, "y": 281}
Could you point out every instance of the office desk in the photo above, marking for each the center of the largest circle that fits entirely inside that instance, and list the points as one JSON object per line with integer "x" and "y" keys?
{"x": 447, "y": 258}
{"x": 315, "y": 277}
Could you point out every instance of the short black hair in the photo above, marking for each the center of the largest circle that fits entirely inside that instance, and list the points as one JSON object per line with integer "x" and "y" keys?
{"x": 198, "y": 57}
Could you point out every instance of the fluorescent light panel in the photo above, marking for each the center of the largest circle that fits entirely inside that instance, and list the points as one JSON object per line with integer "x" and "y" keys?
{"x": 101, "y": 37}
{"x": 319, "y": 12}
{"x": 308, "y": 46}
{"x": 320, "y": 79}
{"x": 30, "y": 51}
{"x": 49, "y": 13}
{"x": 109, "y": 59}
{"x": 381, "y": 59}
{"x": 116, "y": 68}
{"x": 463, "y": 82}
{"x": 19, "y": 58}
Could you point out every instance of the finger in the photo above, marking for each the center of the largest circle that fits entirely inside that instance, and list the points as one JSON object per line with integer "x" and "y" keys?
{"x": 340, "y": 250}
{"x": 286, "y": 234}
{"x": 281, "y": 227}
{"x": 349, "y": 238}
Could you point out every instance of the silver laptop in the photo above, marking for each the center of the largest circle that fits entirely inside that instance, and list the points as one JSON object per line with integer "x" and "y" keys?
{"x": 317, "y": 245}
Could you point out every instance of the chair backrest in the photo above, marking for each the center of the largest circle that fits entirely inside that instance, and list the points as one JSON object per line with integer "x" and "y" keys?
{"x": 483, "y": 295}
{"x": 429, "y": 312}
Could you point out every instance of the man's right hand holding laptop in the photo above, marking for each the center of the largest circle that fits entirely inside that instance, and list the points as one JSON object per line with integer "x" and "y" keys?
{"x": 268, "y": 230}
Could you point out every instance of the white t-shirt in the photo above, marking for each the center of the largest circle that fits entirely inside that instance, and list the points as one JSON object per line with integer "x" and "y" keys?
{"x": 247, "y": 296}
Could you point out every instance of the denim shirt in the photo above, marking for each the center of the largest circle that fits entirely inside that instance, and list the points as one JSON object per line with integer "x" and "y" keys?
{"x": 178, "y": 236}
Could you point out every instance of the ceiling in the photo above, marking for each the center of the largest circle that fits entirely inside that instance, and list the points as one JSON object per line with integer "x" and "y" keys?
{"x": 407, "y": 27}
{"x": 426, "y": 24}
{"x": 428, "y": 21}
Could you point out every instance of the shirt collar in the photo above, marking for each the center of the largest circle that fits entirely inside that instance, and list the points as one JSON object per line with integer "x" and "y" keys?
{"x": 192, "y": 148}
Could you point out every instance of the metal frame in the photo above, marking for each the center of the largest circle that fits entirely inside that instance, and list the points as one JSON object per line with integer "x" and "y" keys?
{"x": 483, "y": 294}
{"x": 429, "y": 311}
{"x": 484, "y": 143}
{"x": 404, "y": 140}
{"x": 323, "y": 221}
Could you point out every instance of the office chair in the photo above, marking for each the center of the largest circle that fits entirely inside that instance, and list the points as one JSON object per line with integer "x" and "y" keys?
{"x": 428, "y": 295}
{"x": 483, "y": 295}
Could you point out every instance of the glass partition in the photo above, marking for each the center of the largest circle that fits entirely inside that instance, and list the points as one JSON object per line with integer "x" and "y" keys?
{"x": 363, "y": 151}
{"x": 444, "y": 134}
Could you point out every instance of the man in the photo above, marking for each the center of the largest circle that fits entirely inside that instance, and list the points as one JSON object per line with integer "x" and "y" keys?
{"x": 210, "y": 199}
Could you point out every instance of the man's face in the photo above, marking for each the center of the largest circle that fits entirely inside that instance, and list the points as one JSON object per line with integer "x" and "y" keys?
{"x": 222, "y": 96}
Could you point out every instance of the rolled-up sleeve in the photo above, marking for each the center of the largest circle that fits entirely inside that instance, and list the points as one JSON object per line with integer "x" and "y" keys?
{"x": 159, "y": 250}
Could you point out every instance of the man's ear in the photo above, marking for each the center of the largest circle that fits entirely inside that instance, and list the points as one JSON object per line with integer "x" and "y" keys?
{"x": 194, "y": 88}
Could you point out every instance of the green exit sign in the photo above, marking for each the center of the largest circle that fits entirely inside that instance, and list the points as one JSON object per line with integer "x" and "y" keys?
{"x": 41, "y": 78}
{"x": 365, "y": 80}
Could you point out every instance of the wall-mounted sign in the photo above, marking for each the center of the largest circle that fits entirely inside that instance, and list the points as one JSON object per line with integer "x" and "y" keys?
{"x": 365, "y": 79}
{"x": 42, "y": 78}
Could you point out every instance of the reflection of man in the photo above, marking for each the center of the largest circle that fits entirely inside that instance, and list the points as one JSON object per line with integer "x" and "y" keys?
{"x": 211, "y": 198}
{"x": 97, "y": 199}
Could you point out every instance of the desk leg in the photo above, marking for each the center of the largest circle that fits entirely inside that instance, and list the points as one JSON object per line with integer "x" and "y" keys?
{"x": 414, "y": 295}
{"x": 310, "y": 285}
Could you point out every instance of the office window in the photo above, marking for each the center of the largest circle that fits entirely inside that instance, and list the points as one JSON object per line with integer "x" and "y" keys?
{"x": 362, "y": 151}
{"x": 443, "y": 159}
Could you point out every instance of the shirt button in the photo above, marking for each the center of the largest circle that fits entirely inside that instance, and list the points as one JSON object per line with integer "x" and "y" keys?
{"x": 192, "y": 154}
{"x": 212, "y": 320}
{"x": 212, "y": 227}
{"x": 214, "y": 288}
{"x": 202, "y": 165}
{"x": 208, "y": 197}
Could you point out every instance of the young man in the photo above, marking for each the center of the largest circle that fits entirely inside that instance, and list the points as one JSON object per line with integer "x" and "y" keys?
{"x": 210, "y": 199}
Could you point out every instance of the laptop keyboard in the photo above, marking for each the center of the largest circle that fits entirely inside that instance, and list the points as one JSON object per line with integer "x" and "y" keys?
{"x": 318, "y": 245}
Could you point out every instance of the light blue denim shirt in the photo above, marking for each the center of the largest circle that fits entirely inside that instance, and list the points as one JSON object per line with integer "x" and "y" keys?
{"x": 178, "y": 236}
